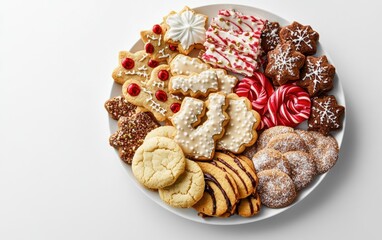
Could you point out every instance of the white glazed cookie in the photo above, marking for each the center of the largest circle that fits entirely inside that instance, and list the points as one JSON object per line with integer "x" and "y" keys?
{"x": 188, "y": 188}
{"x": 241, "y": 129}
{"x": 195, "y": 85}
{"x": 158, "y": 162}
{"x": 186, "y": 28}
{"x": 185, "y": 65}
{"x": 198, "y": 141}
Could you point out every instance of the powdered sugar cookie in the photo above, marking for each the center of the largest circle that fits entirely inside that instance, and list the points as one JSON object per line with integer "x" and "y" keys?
{"x": 195, "y": 85}
{"x": 287, "y": 142}
{"x": 198, "y": 141}
{"x": 241, "y": 129}
{"x": 134, "y": 66}
{"x": 303, "y": 168}
{"x": 276, "y": 188}
{"x": 154, "y": 95}
{"x": 186, "y": 29}
{"x": 269, "y": 133}
{"x": 185, "y": 65}
{"x": 269, "y": 158}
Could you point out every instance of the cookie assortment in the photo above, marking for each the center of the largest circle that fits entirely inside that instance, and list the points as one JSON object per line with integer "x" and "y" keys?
{"x": 219, "y": 132}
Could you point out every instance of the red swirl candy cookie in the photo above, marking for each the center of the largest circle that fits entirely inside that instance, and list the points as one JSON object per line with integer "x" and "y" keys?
{"x": 257, "y": 89}
{"x": 288, "y": 106}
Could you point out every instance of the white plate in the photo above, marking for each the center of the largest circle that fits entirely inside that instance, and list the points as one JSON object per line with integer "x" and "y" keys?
{"x": 191, "y": 214}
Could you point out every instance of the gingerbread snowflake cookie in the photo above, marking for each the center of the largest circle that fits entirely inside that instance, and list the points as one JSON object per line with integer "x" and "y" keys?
{"x": 284, "y": 63}
{"x": 317, "y": 75}
{"x": 304, "y": 38}
{"x": 155, "y": 45}
{"x": 186, "y": 29}
{"x": 270, "y": 36}
{"x": 325, "y": 114}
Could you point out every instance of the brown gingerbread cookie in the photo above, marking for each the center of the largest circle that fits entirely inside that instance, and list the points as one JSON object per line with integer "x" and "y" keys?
{"x": 284, "y": 63}
{"x": 304, "y": 38}
{"x": 118, "y": 107}
{"x": 270, "y": 36}
{"x": 326, "y": 114}
{"x": 131, "y": 133}
{"x": 317, "y": 75}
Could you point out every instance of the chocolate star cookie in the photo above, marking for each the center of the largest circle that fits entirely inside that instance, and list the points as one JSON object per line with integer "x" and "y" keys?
{"x": 118, "y": 107}
{"x": 270, "y": 36}
{"x": 325, "y": 114}
{"x": 317, "y": 75}
{"x": 304, "y": 38}
{"x": 284, "y": 63}
{"x": 131, "y": 132}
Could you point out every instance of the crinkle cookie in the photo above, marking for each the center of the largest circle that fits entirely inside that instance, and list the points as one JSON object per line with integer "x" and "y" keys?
{"x": 188, "y": 188}
{"x": 158, "y": 162}
{"x": 269, "y": 158}
{"x": 276, "y": 188}
{"x": 163, "y": 131}
{"x": 287, "y": 142}
{"x": 269, "y": 133}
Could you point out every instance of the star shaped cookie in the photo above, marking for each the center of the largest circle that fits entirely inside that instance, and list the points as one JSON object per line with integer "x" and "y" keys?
{"x": 317, "y": 75}
{"x": 325, "y": 114}
{"x": 131, "y": 132}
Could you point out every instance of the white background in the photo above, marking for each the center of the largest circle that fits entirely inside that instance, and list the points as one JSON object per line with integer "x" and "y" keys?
{"x": 59, "y": 178}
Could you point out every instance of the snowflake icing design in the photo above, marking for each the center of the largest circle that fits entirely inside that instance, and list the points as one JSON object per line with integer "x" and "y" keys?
{"x": 283, "y": 61}
{"x": 315, "y": 73}
{"x": 301, "y": 35}
{"x": 325, "y": 111}
{"x": 272, "y": 36}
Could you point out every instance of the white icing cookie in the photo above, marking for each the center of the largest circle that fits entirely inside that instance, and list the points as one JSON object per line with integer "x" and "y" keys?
{"x": 241, "y": 129}
{"x": 186, "y": 28}
{"x": 185, "y": 65}
{"x": 195, "y": 85}
{"x": 198, "y": 141}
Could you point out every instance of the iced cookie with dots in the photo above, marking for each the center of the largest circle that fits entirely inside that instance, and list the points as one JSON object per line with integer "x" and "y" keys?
{"x": 185, "y": 65}
{"x": 303, "y": 168}
{"x": 220, "y": 192}
{"x": 276, "y": 188}
{"x": 249, "y": 206}
{"x": 241, "y": 129}
{"x": 158, "y": 162}
{"x": 317, "y": 75}
{"x": 269, "y": 158}
{"x": 155, "y": 45}
{"x": 188, "y": 188}
{"x": 269, "y": 133}
{"x": 186, "y": 29}
{"x": 118, "y": 107}
{"x": 304, "y": 38}
{"x": 134, "y": 66}
{"x": 154, "y": 95}
{"x": 131, "y": 133}
{"x": 324, "y": 149}
{"x": 195, "y": 85}
{"x": 270, "y": 36}
{"x": 198, "y": 140}
{"x": 163, "y": 131}
{"x": 284, "y": 63}
{"x": 287, "y": 142}
{"x": 326, "y": 114}
{"x": 245, "y": 178}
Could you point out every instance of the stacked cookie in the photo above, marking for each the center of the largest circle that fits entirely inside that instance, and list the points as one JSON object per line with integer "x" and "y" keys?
{"x": 189, "y": 126}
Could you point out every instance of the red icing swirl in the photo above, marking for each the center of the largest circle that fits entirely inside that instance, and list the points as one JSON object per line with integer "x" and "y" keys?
{"x": 163, "y": 75}
{"x": 288, "y": 106}
{"x": 128, "y": 63}
{"x": 175, "y": 107}
{"x": 161, "y": 95}
{"x": 149, "y": 48}
{"x": 157, "y": 29}
{"x": 257, "y": 89}
{"x": 133, "y": 89}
